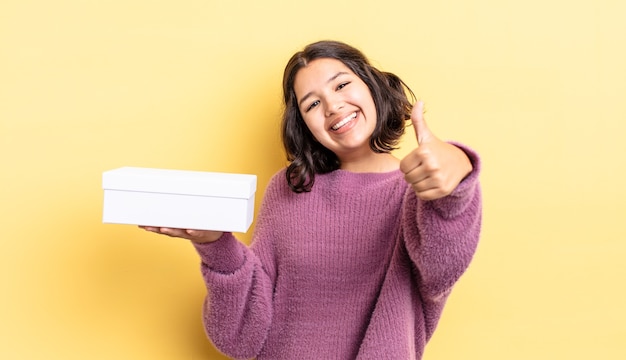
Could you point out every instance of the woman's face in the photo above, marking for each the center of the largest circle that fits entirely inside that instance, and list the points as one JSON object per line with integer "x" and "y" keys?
{"x": 337, "y": 107}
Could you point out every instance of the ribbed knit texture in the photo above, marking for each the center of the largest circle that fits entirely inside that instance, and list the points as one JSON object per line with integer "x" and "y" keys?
{"x": 358, "y": 268}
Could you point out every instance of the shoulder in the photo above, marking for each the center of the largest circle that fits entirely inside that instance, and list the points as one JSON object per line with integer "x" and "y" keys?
{"x": 279, "y": 179}
{"x": 277, "y": 185}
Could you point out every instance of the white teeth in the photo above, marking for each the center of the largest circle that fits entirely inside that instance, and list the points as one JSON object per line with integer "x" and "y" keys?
{"x": 344, "y": 121}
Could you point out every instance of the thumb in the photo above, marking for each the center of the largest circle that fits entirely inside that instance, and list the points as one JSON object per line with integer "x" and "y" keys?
{"x": 422, "y": 132}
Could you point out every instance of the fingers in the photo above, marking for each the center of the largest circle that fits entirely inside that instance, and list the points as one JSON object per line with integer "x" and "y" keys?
{"x": 150, "y": 228}
{"x": 418, "y": 164}
{"x": 430, "y": 194}
{"x": 422, "y": 132}
{"x": 199, "y": 236}
{"x": 417, "y": 116}
{"x": 167, "y": 231}
{"x": 435, "y": 167}
{"x": 429, "y": 187}
{"x": 422, "y": 173}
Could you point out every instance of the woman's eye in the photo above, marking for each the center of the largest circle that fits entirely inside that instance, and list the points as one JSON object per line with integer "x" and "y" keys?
{"x": 314, "y": 104}
{"x": 342, "y": 85}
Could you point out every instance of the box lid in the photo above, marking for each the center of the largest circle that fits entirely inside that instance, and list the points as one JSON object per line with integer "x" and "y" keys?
{"x": 185, "y": 182}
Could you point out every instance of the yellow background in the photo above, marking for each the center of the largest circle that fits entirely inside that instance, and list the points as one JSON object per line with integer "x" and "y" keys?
{"x": 537, "y": 87}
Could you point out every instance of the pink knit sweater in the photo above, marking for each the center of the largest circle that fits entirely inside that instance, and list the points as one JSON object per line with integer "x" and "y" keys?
{"x": 358, "y": 268}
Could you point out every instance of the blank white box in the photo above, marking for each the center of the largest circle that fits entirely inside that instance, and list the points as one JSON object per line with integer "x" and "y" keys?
{"x": 179, "y": 199}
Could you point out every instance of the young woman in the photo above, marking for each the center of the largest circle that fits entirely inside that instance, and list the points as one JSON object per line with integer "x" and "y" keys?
{"x": 355, "y": 251}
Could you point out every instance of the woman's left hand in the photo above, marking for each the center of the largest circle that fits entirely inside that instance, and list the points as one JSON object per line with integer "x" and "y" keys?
{"x": 197, "y": 236}
{"x": 435, "y": 168}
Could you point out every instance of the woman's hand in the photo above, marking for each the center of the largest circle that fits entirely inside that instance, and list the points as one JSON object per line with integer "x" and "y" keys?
{"x": 435, "y": 168}
{"x": 197, "y": 236}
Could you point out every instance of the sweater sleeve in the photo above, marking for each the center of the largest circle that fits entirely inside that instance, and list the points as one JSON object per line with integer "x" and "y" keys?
{"x": 237, "y": 312}
{"x": 441, "y": 235}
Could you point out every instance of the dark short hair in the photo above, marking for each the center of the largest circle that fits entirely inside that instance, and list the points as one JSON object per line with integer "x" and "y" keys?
{"x": 306, "y": 155}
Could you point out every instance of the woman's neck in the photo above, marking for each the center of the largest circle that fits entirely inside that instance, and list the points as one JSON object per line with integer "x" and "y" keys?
{"x": 375, "y": 162}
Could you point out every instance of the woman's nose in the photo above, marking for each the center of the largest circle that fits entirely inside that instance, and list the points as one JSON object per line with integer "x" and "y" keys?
{"x": 333, "y": 106}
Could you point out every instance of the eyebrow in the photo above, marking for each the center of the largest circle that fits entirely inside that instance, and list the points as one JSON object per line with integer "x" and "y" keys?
{"x": 329, "y": 80}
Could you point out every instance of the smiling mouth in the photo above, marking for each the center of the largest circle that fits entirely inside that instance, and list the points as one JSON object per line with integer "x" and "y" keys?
{"x": 344, "y": 121}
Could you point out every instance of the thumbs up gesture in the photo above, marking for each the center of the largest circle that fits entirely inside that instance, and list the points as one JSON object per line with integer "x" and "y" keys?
{"x": 434, "y": 168}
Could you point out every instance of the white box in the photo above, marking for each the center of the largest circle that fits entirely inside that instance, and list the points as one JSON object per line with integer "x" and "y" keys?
{"x": 179, "y": 199}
